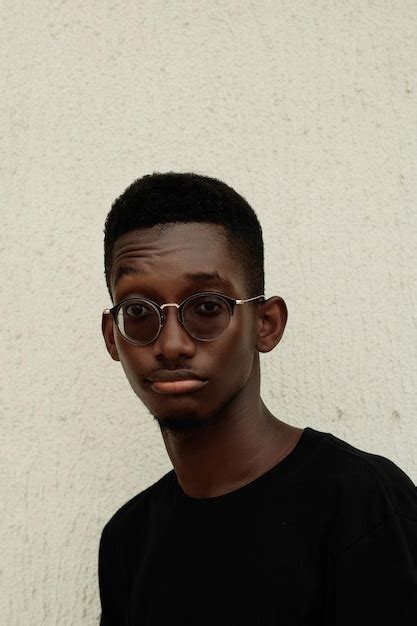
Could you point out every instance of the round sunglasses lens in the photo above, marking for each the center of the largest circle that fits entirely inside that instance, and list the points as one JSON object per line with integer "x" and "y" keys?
{"x": 138, "y": 321}
{"x": 206, "y": 316}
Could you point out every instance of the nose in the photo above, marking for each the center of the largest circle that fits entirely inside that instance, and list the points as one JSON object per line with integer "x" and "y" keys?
{"x": 173, "y": 342}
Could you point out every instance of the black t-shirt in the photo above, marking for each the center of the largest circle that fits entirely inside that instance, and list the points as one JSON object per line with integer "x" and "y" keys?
{"x": 327, "y": 537}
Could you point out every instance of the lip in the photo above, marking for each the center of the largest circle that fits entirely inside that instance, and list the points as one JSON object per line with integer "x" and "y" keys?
{"x": 176, "y": 382}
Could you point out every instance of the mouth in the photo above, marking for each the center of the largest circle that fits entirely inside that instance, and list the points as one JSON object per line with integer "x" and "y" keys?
{"x": 176, "y": 382}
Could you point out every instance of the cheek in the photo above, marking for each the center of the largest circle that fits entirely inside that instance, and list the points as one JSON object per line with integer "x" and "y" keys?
{"x": 234, "y": 357}
{"x": 133, "y": 362}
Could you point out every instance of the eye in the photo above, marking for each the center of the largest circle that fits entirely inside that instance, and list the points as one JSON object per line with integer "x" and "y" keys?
{"x": 137, "y": 310}
{"x": 208, "y": 307}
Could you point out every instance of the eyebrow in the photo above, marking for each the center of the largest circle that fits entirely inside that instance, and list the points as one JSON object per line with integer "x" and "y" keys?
{"x": 125, "y": 270}
{"x": 205, "y": 277}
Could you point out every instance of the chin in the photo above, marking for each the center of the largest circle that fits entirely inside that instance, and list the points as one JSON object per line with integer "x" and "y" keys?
{"x": 178, "y": 424}
{"x": 185, "y": 421}
{"x": 176, "y": 406}
{"x": 184, "y": 415}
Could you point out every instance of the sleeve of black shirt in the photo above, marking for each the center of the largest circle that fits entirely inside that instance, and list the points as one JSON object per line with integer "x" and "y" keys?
{"x": 374, "y": 580}
{"x": 113, "y": 579}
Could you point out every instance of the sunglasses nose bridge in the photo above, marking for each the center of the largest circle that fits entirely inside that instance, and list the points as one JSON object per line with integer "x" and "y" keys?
{"x": 163, "y": 314}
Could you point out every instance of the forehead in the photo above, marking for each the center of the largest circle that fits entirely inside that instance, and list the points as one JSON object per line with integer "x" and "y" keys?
{"x": 172, "y": 252}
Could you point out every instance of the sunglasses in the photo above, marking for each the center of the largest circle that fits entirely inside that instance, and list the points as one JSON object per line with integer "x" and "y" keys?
{"x": 205, "y": 316}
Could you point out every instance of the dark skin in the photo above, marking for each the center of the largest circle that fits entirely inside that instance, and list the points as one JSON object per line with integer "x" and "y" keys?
{"x": 221, "y": 436}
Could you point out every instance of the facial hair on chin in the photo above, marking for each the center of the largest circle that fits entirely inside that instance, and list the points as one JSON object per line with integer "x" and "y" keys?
{"x": 177, "y": 423}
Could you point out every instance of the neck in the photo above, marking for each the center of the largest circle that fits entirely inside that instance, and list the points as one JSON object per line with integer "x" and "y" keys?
{"x": 242, "y": 443}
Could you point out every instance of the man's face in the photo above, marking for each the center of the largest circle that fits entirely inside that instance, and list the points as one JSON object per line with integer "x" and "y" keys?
{"x": 172, "y": 263}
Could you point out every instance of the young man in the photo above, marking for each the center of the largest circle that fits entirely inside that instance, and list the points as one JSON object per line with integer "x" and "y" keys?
{"x": 259, "y": 523}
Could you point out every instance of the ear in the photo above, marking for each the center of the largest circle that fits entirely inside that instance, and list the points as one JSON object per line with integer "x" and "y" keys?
{"x": 107, "y": 328}
{"x": 273, "y": 315}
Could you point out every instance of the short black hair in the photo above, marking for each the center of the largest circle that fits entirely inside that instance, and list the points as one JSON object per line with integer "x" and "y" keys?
{"x": 163, "y": 198}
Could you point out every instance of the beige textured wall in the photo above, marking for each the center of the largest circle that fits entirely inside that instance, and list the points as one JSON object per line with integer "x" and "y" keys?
{"x": 308, "y": 108}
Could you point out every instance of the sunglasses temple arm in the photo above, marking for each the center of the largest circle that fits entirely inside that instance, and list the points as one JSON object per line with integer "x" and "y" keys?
{"x": 250, "y": 299}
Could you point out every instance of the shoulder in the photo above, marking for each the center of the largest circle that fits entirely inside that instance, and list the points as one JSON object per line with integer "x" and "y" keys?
{"x": 362, "y": 492}
{"x": 134, "y": 513}
{"x": 365, "y": 474}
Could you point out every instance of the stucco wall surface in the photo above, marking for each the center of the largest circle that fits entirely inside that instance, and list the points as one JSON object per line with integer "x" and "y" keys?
{"x": 308, "y": 109}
